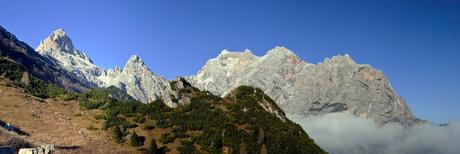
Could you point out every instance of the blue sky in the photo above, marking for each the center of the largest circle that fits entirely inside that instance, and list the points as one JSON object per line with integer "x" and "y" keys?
{"x": 416, "y": 43}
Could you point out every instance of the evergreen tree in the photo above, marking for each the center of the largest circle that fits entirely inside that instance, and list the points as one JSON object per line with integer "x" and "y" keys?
{"x": 135, "y": 140}
{"x": 153, "y": 149}
{"x": 117, "y": 134}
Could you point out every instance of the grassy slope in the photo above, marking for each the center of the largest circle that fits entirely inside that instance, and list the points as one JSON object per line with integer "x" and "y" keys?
{"x": 212, "y": 124}
{"x": 57, "y": 122}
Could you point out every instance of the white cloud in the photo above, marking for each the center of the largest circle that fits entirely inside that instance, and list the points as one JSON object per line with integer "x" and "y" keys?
{"x": 345, "y": 133}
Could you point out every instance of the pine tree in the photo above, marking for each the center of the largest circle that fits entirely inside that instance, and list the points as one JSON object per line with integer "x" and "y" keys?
{"x": 117, "y": 135}
{"x": 153, "y": 149}
{"x": 135, "y": 140}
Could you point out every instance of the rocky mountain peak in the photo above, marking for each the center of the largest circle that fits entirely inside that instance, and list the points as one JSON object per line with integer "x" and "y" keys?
{"x": 135, "y": 63}
{"x": 246, "y": 54}
{"x": 58, "y": 33}
{"x": 58, "y": 43}
{"x": 280, "y": 51}
{"x": 59, "y": 40}
{"x": 340, "y": 59}
{"x": 135, "y": 59}
{"x": 282, "y": 54}
{"x": 336, "y": 85}
{"x": 135, "y": 78}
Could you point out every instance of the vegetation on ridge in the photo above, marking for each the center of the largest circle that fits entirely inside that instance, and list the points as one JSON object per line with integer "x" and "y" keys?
{"x": 208, "y": 124}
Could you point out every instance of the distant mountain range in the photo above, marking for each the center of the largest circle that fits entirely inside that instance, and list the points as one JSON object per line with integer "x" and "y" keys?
{"x": 338, "y": 84}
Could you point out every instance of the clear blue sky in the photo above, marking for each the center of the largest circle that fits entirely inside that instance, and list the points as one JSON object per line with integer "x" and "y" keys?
{"x": 416, "y": 43}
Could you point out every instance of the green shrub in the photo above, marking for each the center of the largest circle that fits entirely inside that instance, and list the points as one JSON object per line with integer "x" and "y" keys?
{"x": 139, "y": 118}
{"x": 117, "y": 121}
{"x": 91, "y": 105}
{"x": 54, "y": 91}
{"x": 117, "y": 135}
{"x": 10, "y": 69}
{"x": 148, "y": 126}
{"x": 167, "y": 138}
{"x": 136, "y": 140}
{"x": 179, "y": 132}
{"x": 153, "y": 148}
{"x": 187, "y": 147}
{"x": 99, "y": 117}
{"x": 37, "y": 87}
{"x": 70, "y": 96}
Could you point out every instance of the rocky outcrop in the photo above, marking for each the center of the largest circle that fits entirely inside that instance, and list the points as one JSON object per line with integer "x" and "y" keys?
{"x": 44, "y": 149}
{"x": 335, "y": 85}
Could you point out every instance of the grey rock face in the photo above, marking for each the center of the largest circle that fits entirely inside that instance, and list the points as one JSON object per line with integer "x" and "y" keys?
{"x": 38, "y": 66}
{"x": 335, "y": 85}
{"x": 58, "y": 47}
{"x": 44, "y": 149}
{"x": 135, "y": 78}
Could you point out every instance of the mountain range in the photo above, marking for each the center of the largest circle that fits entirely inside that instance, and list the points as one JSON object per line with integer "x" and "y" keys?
{"x": 51, "y": 93}
{"x": 338, "y": 84}
{"x": 135, "y": 78}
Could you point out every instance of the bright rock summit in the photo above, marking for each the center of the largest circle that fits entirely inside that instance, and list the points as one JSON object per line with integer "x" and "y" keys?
{"x": 135, "y": 78}
{"x": 338, "y": 84}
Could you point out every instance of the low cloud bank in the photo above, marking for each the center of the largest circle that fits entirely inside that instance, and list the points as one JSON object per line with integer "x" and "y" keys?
{"x": 344, "y": 133}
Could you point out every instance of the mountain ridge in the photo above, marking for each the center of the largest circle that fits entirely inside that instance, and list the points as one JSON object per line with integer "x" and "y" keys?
{"x": 334, "y": 85}
{"x": 38, "y": 66}
{"x": 135, "y": 78}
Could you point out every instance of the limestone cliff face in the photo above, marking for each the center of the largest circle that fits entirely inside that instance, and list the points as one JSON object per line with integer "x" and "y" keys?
{"x": 135, "y": 78}
{"x": 335, "y": 85}
{"x": 38, "y": 66}
{"x": 58, "y": 47}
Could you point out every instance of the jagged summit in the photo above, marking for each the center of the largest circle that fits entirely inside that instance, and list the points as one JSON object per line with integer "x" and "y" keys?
{"x": 136, "y": 65}
{"x": 135, "y": 78}
{"x": 58, "y": 42}
{"x": 346, "y": 58}
{"x": 338, "y": 84}
{"x": 226, "y": 52}
{"x": 58, "y": 33}
{"x": 135, "y": 59}
{"x": 280, "y": 51}
{"x": 37, "y": 65}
